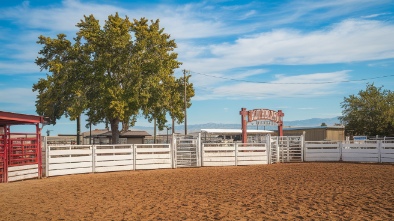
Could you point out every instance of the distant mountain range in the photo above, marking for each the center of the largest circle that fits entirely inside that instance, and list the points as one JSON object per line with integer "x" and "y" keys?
{"x": 313, "y": 122}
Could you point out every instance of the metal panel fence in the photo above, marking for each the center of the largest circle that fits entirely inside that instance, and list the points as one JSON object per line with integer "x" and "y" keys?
{"x": 20, "y": 156}
{"x": 187, "y": 152}
{"x": 3, "y": 165}
{"x": 288, "y": 149}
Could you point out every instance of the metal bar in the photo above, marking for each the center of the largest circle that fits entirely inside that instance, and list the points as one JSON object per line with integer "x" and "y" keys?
{"x": 15, "y": 118}
{"x": 2, "y": 155}
{"x": 6, "y": 146}
{"x": 39, "y": 150}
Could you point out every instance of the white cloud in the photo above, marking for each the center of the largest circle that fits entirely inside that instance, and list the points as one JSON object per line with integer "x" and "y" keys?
{"x": 307, "y": 85}
{"x": 17, "y": 99}
{"x": 18, "y": 68}
{"x": 315, "y": 11}
{"x": 307, "y": 108}
{"x": 181, "y": 21}
{"x": 374, "y": 15}
{"x": 61, "y": 18}
{"x": 347, "y": 41}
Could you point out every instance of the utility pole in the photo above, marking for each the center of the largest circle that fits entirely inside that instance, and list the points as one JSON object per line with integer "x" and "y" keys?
{"x": 184, "y": 82}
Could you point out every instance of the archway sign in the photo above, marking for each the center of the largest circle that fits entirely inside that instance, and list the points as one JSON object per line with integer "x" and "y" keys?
{"x": 260, "y": 114}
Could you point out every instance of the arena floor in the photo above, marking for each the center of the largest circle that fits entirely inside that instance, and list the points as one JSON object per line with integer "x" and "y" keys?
{"x": 302, "y": 191}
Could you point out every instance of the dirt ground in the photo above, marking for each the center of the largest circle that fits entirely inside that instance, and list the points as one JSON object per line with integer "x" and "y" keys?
{"x": 302, "y": 191}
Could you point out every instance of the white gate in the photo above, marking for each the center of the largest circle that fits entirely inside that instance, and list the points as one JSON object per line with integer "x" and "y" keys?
{"x": 287, "y": 149}
{"x": 187, "y": 152}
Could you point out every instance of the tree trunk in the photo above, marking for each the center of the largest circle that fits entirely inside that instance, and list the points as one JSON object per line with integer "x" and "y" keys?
{"x": 125, "y": 125}
{"x": 154, "y": 131}
{"x": 79, "y": 130}
{"x": 115, "y": 130}
{"x": 173, "y": 126}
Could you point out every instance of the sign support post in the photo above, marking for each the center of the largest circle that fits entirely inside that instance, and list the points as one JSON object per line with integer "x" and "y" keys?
{"x": 260, "y": 114}
{"x": 244, "y": 123}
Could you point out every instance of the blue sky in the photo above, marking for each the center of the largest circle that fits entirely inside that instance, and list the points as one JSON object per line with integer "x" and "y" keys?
{"x": 302, "y": 57}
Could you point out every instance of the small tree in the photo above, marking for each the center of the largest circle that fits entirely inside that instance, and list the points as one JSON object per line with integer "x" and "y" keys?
{"x": 371, "y": 112}
{"x": 323, "y": 124}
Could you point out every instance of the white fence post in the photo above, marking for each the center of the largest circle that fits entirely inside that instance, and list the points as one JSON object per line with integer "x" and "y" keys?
{"x": 175, "y": 143}
{"x": 172, "y": 153}
{"x": 302, "y": 147}
{"x": 134, "y": 156}
{"x": 236, "y": 154}
{"x": 268, "y": 147}
{"x": 379, "y": 146}
{"x": 202, "y": 155}
{"x": 277, "y": 150}
{"x": 46, "y": 156}
{"x": 93, "y": 158}
{"x": 198, "y": 150}
{"x": 340, "y": 146}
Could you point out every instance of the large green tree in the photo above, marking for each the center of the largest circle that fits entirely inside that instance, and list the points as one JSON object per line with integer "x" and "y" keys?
{"x": 370, "y": 112}
{"x": 110, "y": 73}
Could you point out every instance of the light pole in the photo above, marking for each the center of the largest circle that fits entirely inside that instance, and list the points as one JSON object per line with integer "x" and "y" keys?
{"x": 184, "y": 99}
{"x": 168, "y": 128}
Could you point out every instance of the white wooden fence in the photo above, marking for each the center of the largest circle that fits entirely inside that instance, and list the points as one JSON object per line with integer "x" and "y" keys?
{"x": 365, "y": 151}
{"x": 75, "y": 159}
{"x": 153, "y": 156}
{"x": 234, "y": 154}
{"x": 22, "y": 172}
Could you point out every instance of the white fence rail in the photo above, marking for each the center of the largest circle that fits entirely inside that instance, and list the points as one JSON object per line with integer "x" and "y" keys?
{"x": 75, "y": 159}
{"x": 22, "y": 172}
{"x": 113, "y": 158}
{"x": 69, "y": 159}
{"x": 234, "y": 154}
{"x": 387, "y": 152}
{"x": 369, "y": 151}
{"x": 153, "y": 156}
{"x": 322, "y": 151}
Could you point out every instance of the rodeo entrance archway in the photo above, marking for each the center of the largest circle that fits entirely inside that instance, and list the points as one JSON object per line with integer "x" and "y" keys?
{"x": 20, "y": 153}
{"x": 260, "y": 114}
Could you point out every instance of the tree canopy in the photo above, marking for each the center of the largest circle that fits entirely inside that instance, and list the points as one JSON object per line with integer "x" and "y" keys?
{"x": 111, "y": 73}
{"x": 370, "y": 112}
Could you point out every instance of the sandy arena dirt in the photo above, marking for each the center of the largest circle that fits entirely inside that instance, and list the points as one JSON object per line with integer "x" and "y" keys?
{"x": 302, "y": 191}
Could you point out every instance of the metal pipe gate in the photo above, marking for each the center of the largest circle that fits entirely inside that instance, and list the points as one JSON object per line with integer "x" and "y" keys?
{"x": 3, "y": 158}
{"x": 20, "y": 155}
